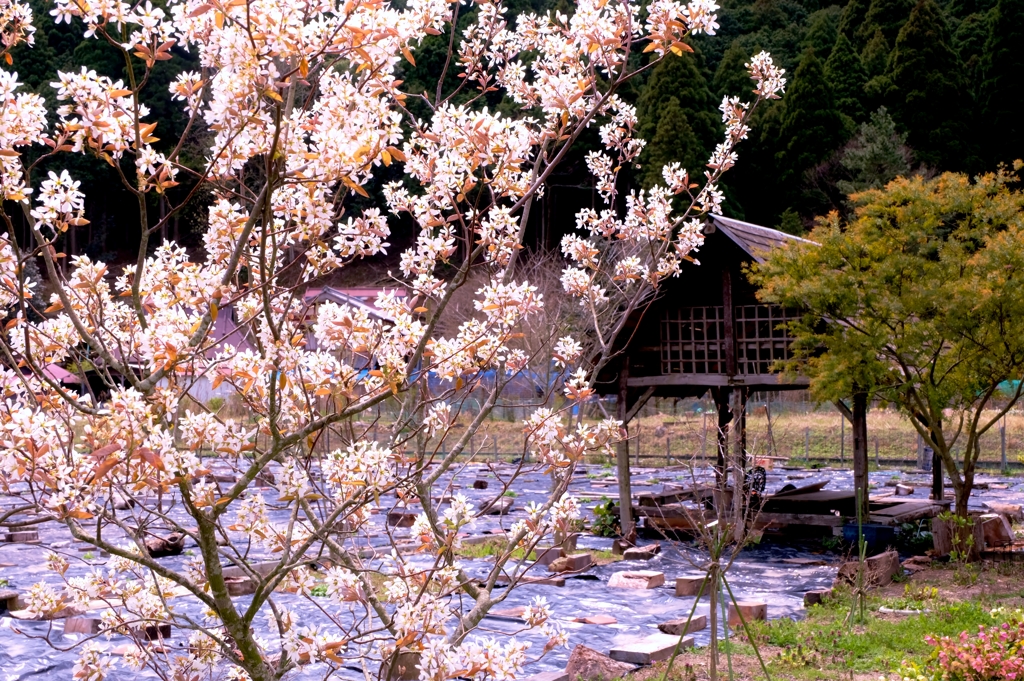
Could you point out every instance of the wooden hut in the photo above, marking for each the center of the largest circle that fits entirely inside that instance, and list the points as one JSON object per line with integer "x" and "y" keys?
{"x": 705, "y": 332}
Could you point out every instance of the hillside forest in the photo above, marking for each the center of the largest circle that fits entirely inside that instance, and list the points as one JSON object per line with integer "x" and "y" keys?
{"x": 876, "y": 89}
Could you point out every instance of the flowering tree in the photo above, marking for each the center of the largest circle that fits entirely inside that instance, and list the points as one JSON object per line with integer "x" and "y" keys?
{"x": 299, "y": 105}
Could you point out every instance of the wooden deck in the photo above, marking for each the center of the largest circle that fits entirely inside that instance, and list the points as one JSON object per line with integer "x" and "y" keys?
{"x": 683, "y": 508}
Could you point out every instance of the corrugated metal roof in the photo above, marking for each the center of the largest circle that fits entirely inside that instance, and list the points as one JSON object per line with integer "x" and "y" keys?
{"x": 754, "y": 239}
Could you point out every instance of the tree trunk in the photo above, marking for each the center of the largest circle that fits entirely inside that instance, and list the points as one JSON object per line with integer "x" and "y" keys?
{"x": 859, "y": 426}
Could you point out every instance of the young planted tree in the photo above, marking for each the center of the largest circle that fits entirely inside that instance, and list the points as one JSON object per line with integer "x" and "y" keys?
{"x": 916, "y": 301}
{"x": 297, "y": 108}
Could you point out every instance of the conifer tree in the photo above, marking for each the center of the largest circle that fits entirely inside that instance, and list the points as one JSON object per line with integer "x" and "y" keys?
{"x": 822, "y": 30}
{"x": 812, "y": 127}
{"x": 852, "y": 19}
{"x": 888, "y": 16}
{"x": 875, "y": 56}
{"x": 876, "y": 156}
{"x": 677, "y": 78}
{"x": 927, "y": 91}
{"x": 672, "y": 141}
{"x": 1002, "y": 97}
{"x": 731, "y": 77}
{"x": 847, "y": 77}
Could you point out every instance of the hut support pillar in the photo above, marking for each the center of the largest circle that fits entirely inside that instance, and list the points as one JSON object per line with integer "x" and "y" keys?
{"x": 622, "y": 457}
{"x": 723, "y": 400}
{"x": 738, "y": 407}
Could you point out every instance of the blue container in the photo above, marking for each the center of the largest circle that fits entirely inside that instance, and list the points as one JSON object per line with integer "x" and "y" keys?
{"x": 876, "y": 536}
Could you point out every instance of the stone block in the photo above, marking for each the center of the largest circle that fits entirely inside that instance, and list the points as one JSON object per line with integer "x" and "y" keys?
{"x": 679, "y": 627}
{"x": 641, "y": 552}
{"x": 512, "y": 614}
{"x": 996, "y": 529}
{"x": 816, "y": 597}
{"x": 588, "y": 664}
{"x": 155, "y": 632}
{"x": 654, "y": 648}
{"x": 401, "y": 519}
{"x": 548, "y": 555}
{"x": 751, "y": 610}
{"x": 480, "y": 484}
{"x": 545, "y": 581}
{"x": 689, "y": 585}
{"x": 22, "y": 537}
{"x": 240, "y": 586}
{"x": 500, "y": 506}
{"x": 879, "y": 570}
{"x": 8, "y": 600}
{"x": 637, "y": 579}
{"x": 571, "y": 563}
{"x": 619, "y": 546}
{"x": 85, "y": 625}
{"x": 904, "y": 490}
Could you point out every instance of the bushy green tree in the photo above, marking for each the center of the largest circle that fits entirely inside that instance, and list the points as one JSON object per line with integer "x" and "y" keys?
{"x": 875, "y": 55}
{"x": 731, "y": 77}
{"x": 847, "y": 77}
{"x": 1002, "y": 99}
{"x": 876, "y": 156}
{"x": 927, "y": 91}
{"x": 917, "y": 300}
{"x": 822, "y": 30}
{"x": 852, "y": 19}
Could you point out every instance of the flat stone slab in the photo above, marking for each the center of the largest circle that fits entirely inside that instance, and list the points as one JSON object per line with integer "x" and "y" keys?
{"x": 545, "y": 581}
{"x": 679, "y": 627}
{"x": 596, "y": 619}
{"x": 21, "y": 537}
{"x": 689, "y": 585}
{"x": 549, "y": 676}
{"x": 637, "y": 579}
{"x": 654, "y": 648}
{"x": 401, "y": 519}
{"x": 751, "y": 610}
{"x": 996, "y": 529}
{"x": 641, "y": 552}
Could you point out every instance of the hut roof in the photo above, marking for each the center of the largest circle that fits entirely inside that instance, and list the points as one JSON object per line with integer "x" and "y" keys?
{"x": 755, "y": 240}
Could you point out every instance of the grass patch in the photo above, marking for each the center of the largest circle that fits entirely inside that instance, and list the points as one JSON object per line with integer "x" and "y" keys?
{"x": 490, "y": 549}
{"x": 824, "y": 643}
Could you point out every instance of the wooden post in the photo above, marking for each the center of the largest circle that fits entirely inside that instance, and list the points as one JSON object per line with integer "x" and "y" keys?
{"x": 859, "y": 426}
{"x": 728, "y": 324}
{"x": 878, "y": 463}
{"x": 738, "y": 406}
{"x": 722, "y": 397}
{"x": 622, "y": 455}
{"x": 937, "y": 484}
{"x": 495, "y": 439}
{"x": 668, "y": 449}
{"x": 704, "y": 440}
{"x": 842, "y": 440}
{"x": 1002, "y": 446}
{"x": 807, "y": 445}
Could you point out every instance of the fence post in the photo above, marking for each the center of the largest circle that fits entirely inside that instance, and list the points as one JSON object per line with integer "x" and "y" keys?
{"x": 668, "y": 449}
{"x": 877, "y": 464}
{"x": 495, "y": 448}
{"x": 920, "y": 452}
{"x": 638, "y": 442}
{"x": 807, "y": 445}
{"x": 1002, "y": 446}
{"x": 842, "y": 440}
{"x": 704, "y": 440}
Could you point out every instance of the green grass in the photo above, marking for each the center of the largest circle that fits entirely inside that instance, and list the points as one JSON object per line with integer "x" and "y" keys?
{"x": 824, "y": 642}
{"x": 489, "y": 549}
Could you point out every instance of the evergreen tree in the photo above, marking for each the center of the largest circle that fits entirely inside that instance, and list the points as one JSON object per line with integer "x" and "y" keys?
{"x": 680, "y": 79}
{"x": 846, "y": 75}
{"x": 888, "y": 16}
{"x": 822, "y": 30}
{"x": 673, "y": 140}
{"x": 1002, "y": 99}
{"x": 970, "y": 42}
{"x": 875, "y": 56}
{"x": 852, "y": 19}
{"x": 812, "y": 127}
{"x": 876, "y": 156}
{"x": 731, "y": 77}
{"x": 927, "y": 92}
